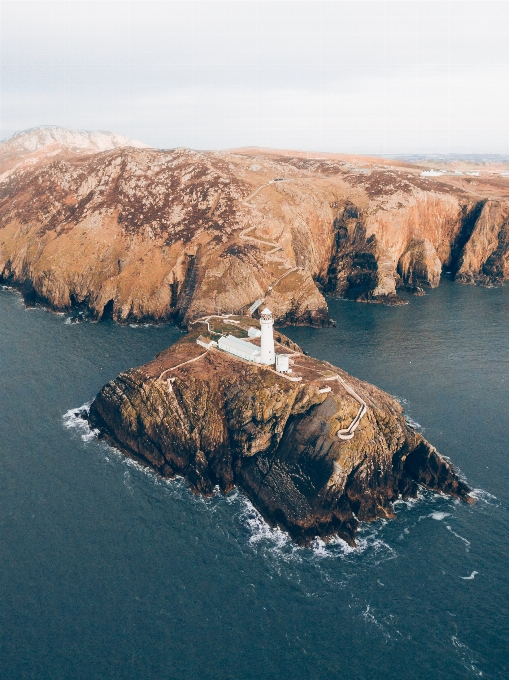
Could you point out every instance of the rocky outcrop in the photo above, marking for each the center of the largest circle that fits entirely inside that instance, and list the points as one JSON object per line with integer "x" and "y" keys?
{"x": 420, "y": 265}
{"x": 141, "y": 234}
{"x": 223, "y": 422}
{"x": 485, "y": 257}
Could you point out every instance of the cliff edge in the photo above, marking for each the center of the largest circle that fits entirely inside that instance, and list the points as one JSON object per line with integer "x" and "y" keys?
{"x": 111, "y": 230}
{"x": 302, "y": 447}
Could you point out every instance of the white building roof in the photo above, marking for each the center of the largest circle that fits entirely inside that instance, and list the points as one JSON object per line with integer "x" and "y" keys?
{"x": 206, "y": 342}
{"x": 432, "y": 173}
{"x": 237, "y": 343}
{"x": 266, "y": 311}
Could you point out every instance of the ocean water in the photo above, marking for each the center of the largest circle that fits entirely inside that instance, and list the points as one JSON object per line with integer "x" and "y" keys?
{"x": 107, "y": 571}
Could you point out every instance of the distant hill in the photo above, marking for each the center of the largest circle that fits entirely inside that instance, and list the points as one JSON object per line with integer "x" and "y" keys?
{"x": 452, "y": 157}
{"x": 39, "y": 138}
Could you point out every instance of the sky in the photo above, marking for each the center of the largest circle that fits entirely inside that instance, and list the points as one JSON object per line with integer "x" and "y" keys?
{"x": 353, "y": 77}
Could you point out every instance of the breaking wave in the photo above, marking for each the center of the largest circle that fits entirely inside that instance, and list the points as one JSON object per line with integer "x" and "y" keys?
{"x": 467, "y": 656}
{"x": 375, "y": 542}
{"x": 73, "y": 420}
{"x": 484, "y": 497}
{"x": 412, "y": 423}
{"x": 276, "y": 545}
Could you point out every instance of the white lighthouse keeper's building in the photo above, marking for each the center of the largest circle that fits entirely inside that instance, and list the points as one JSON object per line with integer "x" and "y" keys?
{"x": 267, "y": 353}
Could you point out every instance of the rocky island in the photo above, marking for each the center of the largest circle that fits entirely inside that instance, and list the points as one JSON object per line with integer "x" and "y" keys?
{"x": 316, "y": 450}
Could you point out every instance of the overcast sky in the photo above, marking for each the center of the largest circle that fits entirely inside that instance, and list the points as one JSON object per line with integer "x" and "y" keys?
{"x": 365, "y": 77}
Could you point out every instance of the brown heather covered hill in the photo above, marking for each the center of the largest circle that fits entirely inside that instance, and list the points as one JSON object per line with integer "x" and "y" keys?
{"x": 142, "y": 234}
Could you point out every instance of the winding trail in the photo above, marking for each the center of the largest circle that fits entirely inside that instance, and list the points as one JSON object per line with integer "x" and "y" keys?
{"x": 276, "y": 247}
{"x": 269, "y": 254}
{"x": 205, "y": 319}
{"x": 349, "y": 432}
{"x": 243, "y": 234}
{"x": 293, "y": 269}
{"x": 189, "y": 361}
{"x": 343, "y": 434}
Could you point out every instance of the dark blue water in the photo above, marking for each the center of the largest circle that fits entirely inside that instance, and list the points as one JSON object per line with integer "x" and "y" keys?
{"x": 108, "y": 572}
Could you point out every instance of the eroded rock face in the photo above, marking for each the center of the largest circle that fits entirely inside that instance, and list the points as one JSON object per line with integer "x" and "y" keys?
{"x": 140, "y": 234}
{"x": 420, "y": 265}
{"x": 219, "y": 421}
{"x": 485, "y": 257}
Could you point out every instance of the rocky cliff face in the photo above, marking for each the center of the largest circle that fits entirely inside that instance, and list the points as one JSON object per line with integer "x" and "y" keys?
{"x": 485, "y": 256}
{"x": 221, "y": 421}
{"x": 141, "y": 234}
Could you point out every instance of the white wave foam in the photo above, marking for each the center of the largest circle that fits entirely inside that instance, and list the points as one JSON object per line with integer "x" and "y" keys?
{"x": 471, "y": 577}
{"x": 485, "y": 497}
{"x": 73, "y": 420}
{"x": 259, "y": 529}
{"x": 284, "y": 559}
{"x": 439, "y": 516}
{"x": 379, "y": 550}
{"x": 369, "y": 617}
{"x": 319, "y": 549}
{"x": 336, "y": 547}
{"x": 412, "y": 423}
{"x": 276, "y": 545}
{"x": 423, "y": 496}
{"x": 73, "y": 320}
{"x": 269, "y": 542}
{"x": 409, "y": 503}
{"x": 467, "y": 656}
{"x": 462, "y": 538}
{"x": 409, "y": 420}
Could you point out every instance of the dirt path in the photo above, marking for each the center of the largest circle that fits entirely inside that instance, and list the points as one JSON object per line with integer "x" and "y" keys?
{"x": 349, "y": 432}
{"x": 189, "y": 361}
{"x": 276, "y": 247}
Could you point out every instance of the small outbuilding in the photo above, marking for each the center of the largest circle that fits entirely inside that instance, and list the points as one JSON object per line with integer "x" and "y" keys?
{"x": 432, "y": 173}
{"x": 205, "y": 342}
{"x": 282, "y": 363}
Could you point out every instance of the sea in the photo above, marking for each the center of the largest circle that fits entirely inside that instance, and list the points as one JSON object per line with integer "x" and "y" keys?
{"x": 109, "y": 572}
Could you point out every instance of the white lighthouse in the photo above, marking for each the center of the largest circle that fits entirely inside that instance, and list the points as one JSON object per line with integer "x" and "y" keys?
{"x": 267, "y": 354}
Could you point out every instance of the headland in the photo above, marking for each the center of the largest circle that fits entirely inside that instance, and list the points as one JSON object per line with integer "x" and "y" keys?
{"x": 103, "y": 228}
{"x": 316, "y": 451}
